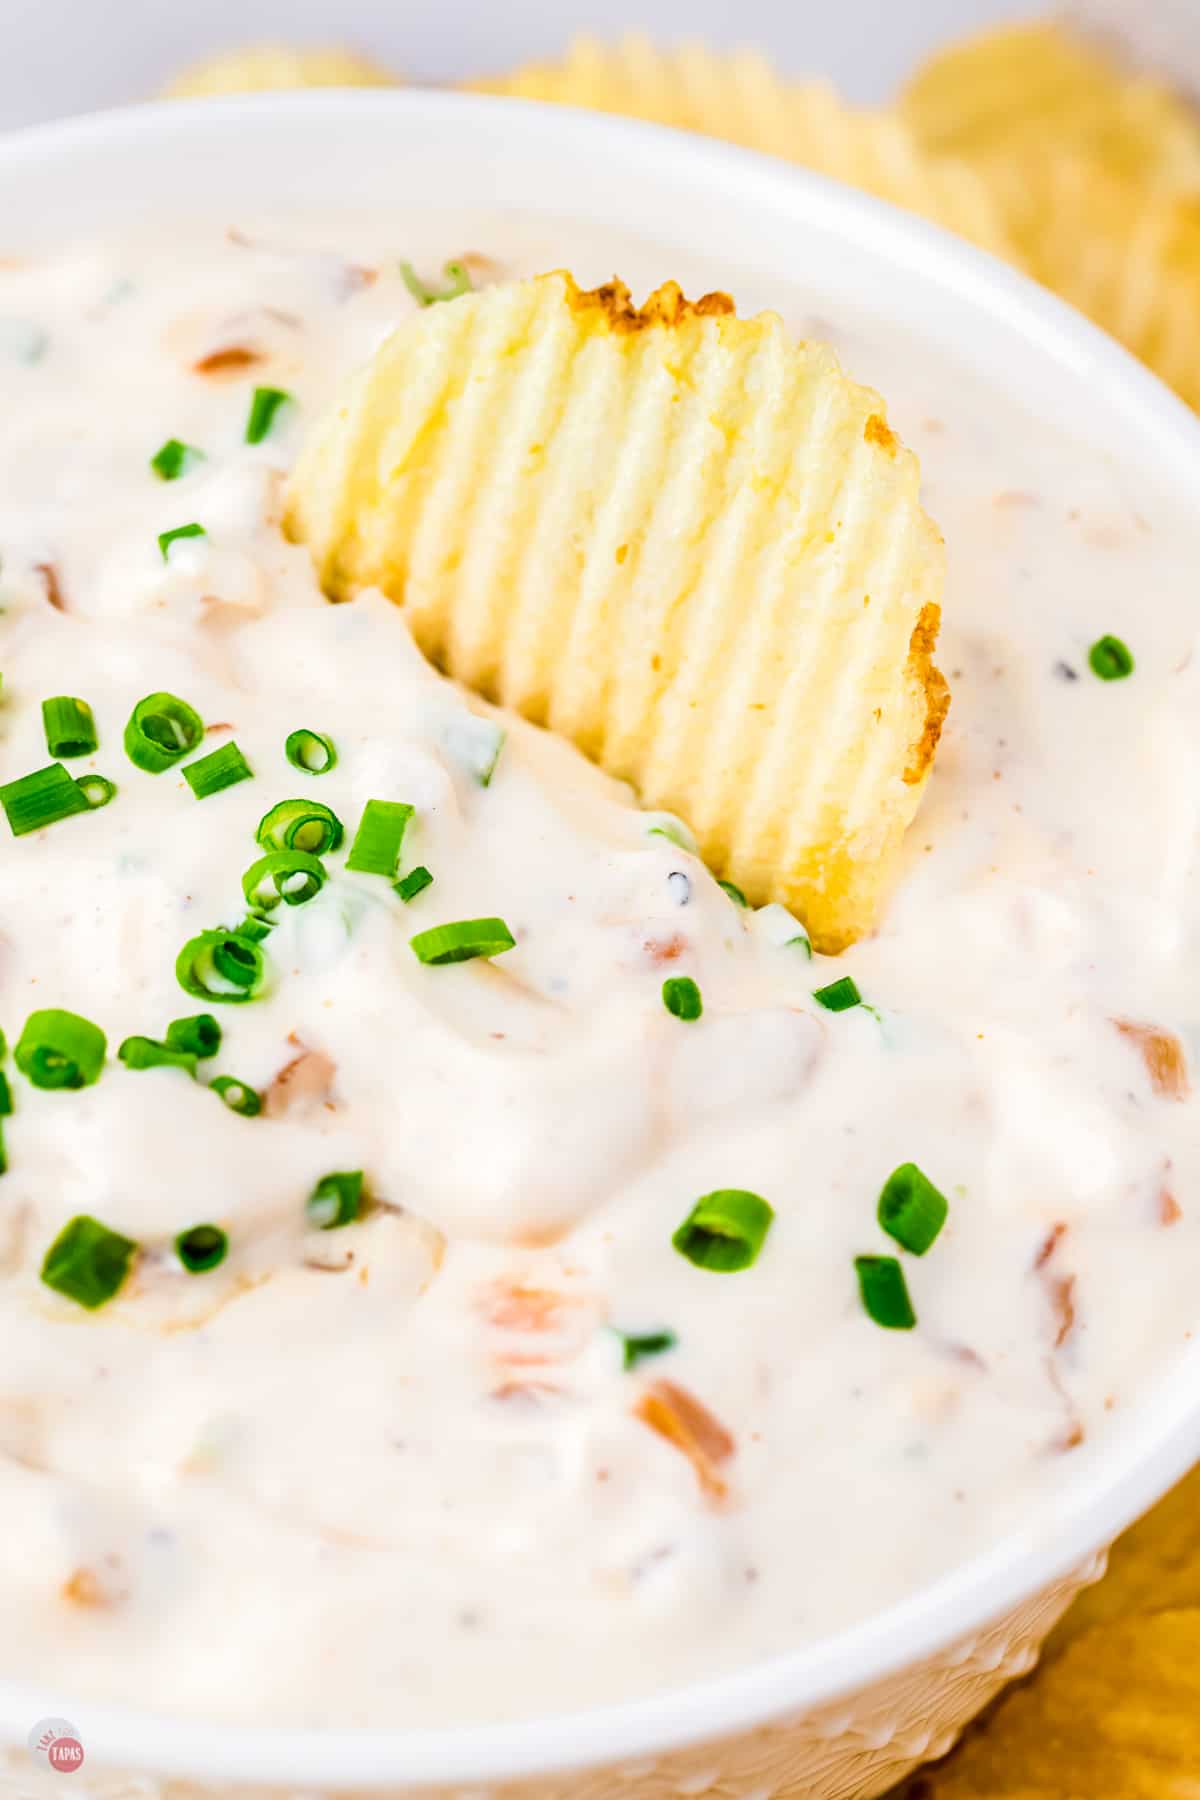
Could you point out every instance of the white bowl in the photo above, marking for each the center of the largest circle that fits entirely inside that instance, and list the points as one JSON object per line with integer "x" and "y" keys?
{"x": 848, "y": 1716}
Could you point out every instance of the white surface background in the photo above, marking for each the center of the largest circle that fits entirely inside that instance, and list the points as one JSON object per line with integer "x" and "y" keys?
{"x": 59, "y": 56}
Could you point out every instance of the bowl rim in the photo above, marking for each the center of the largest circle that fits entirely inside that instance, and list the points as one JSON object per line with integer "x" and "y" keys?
{"x": 958, "y": 1606}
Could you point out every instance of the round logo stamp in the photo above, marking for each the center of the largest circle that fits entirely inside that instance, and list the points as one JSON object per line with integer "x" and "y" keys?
{"x": 54, "y": 1743}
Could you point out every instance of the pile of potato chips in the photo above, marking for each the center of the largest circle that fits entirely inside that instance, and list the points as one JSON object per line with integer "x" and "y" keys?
{"x": 1046, "y": 152}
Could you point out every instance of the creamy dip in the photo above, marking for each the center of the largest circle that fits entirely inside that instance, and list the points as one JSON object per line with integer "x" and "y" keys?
{"x": 398, "y": 1470}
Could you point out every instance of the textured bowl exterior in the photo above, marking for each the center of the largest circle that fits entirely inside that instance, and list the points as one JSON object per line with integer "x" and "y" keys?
{"x": 854, "y": 1749}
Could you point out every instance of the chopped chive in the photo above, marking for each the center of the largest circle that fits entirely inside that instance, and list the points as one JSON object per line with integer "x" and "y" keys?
{"x": 666, "y": 825}
{"x": 376, "y": 846}
{"x": 839, "y": 996}
{"x": 310, "y": 751}
{"x": 336, "y": 1200}
{"x": 725, "y": 1230}
{"x": 681, "y": 997}
{"x": 475, "y": 743}
{"x": 263, "y": 407}
{"x": 300, "y": 825}
{"x": 87, "y": 1262}
{"x": 199, "y": 1035}
{"x": 148, "y": 1053}
{"x": 462, "y": 940}
{"x": 175, "y": 459}
{"x": 238, "y": 1096}
{"x": 288, "y": 875}
{"x": 41, "y": 799}
{"x": 1110, "y": 659}
{"x": 221, "y": 768}
{"x": 167, "y": 538}
{"x": 734, "y": 891}
{"x": 782, "y": 928}
{"x": 884, "y": 1292}
{"x": 650, "y": 1343}
{"x": 97, "y": 790}
{"x": 454, "y": 274}
{"x": 225, "y": 966}
{"x": 161, "y": 729}
{"x": 201, "y": 1248}
{"x": 69, "y": 726}
{"x": 911, "y": 1209}
{"x": 59, "y": 1049}
{"x": 414, "y": 883}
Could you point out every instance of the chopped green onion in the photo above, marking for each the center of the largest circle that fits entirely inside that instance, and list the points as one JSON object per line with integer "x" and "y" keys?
{"x": 6, "y": 1099}
{"x": 201, "y": 1248}
{"x": 148, "y": 1053}
{"x": 461, "y": 941}
{"x": 97, "y": 790}
{"x": 734, "y": 891}
{"x": 839, "y": 996}
{"x": 911, "y": 1209}
{"x": 256, "y": 928}
{"x": 376, "y": 846}
{"x": 238, "y": 1096}
{"x": 666, "y": 825}
{"x": 167, "y": 538}
{"x": 1110, "y": 659}
{"x": 725, "y": 1230}
{"x": 453, "y": 273}
{"x": 336, "y": 1200}
{"x": 300, "y": 825}
{"x": 414, "y": 883}
{"x": 69, "y": 726}
{"x": 219, "y": 769}
{"x": 221, "y": 965}
{"x": 681, "y": 997}
{"x": 263, "y": 407}
{"x": 650, "y": 1343}
{"x": 311, "y": 751}
{"x": 58, "y": 1049}
{"x": 782, "y": 928}
{"x": 87, "y": 1262}
{"x": 41, "y": 799}
{"x": 885, "y": 1292}
{"x": 288, "y": 875}
{"x": 476, "y": 743}
{"x": 161, "y": 729}
{"x": 175, "y": 459}
{"x": 199, "y": 1035}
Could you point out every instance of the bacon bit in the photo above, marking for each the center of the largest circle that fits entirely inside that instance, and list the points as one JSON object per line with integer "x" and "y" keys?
{"x": 1163, "y": 1055}
{"x": 227, "y": 361}
{"x": 514, "y": 1307}
{"x": 1062, "y": 1299}
{"x": 52, "y": 585}
{"x": 665, "y": 950}
{"x": 84, "y": 1587}
{"x": 304, "y": 1082}
{"x": 686, "y": 1423}
{"x": 1169, "y": 1210}
{"x": 560, "y": 1323}
{"x": 1050, "y": 1245}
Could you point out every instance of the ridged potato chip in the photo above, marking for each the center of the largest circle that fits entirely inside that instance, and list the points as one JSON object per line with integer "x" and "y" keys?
{"x": 739, "y": 97}
{"x": 679, "y": 538}
{"x": 259, "y": 68}
{"x": 1115, "y": 1718}
{"x": 1037, "y": 89}
{"x": 1128, "y": 258}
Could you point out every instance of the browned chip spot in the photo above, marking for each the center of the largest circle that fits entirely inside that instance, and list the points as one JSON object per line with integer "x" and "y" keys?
{"x": 614, "y": 308}
{"x": 52, "y": 585}
{"x": 686, "y": 1423}
{"x": 924, "y": 673}
{"x": 228, "y": 361}
{"x": 1163, "y": 1055}
{"x": 85, "y": 1588}
{"x": 878, "y": 431}
{"x": 1169, "y": 1210}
